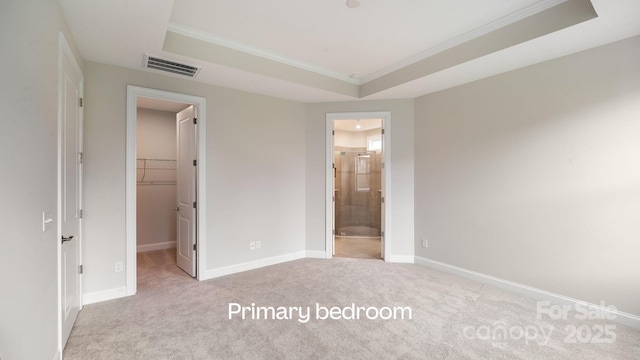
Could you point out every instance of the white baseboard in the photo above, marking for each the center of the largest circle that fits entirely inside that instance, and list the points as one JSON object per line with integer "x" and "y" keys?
{"x": 156, "y": 246}
{"x": 251, "y": 265}
{"x": 57, "y": 355}
{"x": 401, "y": 259}
{"x": 619, "y": 316}
{"x": 316, "y": 254}
{"x": 104, "y": 295}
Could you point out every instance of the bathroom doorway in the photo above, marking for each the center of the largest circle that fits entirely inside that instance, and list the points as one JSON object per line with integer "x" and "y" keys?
{"x": 357, "y": 187}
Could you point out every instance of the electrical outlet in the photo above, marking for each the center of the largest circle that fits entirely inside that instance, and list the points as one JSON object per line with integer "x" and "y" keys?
{"x": 119, "y": 266}
{"x": 258, "y": 244}
{"x": 252, "y": 245}
{"x": 425, "y": 243}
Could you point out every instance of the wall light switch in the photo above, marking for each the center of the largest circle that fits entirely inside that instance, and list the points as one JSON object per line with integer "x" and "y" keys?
{"x": 47, "y": 221}
{"x": 258, "y": 244}
{"x": 425, "y": 243}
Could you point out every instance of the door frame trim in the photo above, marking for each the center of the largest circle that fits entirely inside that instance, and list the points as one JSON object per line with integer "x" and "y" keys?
{"x": 329, "y": 217}
{"x": 64, "y": 50}
{"x": 131, "y": 144}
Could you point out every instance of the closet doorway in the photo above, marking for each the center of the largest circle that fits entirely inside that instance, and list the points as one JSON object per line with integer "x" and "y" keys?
{"x": 357, "y": 178}
{"x": 157, "y": 173}
{"x": 165, "y": 164}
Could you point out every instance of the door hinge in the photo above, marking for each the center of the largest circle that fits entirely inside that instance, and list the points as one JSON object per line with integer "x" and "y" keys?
{"x": 194, "y": 247}
{"x": 81, "y": 213}
{"x": 333, "y": 132}
{"x": 81, "y": 102}
{"x": 80, "y": 157}
{"x": 81, "y": 269}
{"x": 383, "y": 165}
{"x": 382, "y": 199}
{"x": 194, "y": 163}
{"x": 195, "y": 121}
{"x": 333, "y": 232}
{"x": 194, "y": 204}
{"x": 382, "y": 131}
{"x": 334, "y": 198}
{"x": 382, "y": 233}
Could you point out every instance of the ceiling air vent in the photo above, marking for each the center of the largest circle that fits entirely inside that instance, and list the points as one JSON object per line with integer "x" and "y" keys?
{"x": 156, "y": 63}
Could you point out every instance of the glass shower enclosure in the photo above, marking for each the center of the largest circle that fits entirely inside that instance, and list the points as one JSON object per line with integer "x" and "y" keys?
{"x": 358, "y": 192}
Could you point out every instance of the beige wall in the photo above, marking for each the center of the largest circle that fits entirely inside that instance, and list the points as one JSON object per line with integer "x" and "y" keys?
{"x": 533, "y": 176}
{"x": 28, "y": 138}
{"x": 400, "y": 231}
{"x": 353, "y": 139}
{"x": 349, "y": 139}
{"x": 255, "y": 172}
{"x": 156, "y": 200}
{"x": 156, "y": 134}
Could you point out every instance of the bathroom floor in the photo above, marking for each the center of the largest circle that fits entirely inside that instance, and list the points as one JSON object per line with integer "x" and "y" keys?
{"x": 358, "y": 247}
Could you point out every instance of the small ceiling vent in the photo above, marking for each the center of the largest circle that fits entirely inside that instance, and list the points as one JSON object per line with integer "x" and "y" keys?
{"x": 156, "y": 63}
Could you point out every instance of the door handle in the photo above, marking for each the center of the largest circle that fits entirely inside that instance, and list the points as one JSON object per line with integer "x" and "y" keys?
{"x": 66, "y": 238}
{"x": 177, "y": 209}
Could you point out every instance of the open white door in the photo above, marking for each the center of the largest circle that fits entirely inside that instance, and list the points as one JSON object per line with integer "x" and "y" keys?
{"x": 186, "y": 184}
{"x": 70, "y": 187}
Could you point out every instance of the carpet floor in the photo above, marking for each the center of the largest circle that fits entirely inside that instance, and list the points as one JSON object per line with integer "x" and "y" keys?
{"x": 175, "y": 317}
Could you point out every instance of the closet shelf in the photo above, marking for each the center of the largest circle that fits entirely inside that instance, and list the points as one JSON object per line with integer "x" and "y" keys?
{"x": 155, "y": 171}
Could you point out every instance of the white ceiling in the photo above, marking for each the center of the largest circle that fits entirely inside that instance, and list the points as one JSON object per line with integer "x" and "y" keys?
{"x": 293, "y": 49}
{"x": 160, "y": 105}
{"x": 357, "y": 125}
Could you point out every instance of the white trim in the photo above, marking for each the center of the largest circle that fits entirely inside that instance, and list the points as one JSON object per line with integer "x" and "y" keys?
{"x": 157, "y": 246}
{"x": 251, "y": 265}
{"x": 401, "y": 259}
{"x": 210, "y": 38}
{"x": 315, "y": 254}
{"x": 57, "y": 355}
{"x": 104, "y": 295}
{"x": 386, "y": 192}
{"x": 473, "y": 34}
{"x": 131, "y": 246}
{"x": 620, "y": 316}
{"x": 328, "y": 188}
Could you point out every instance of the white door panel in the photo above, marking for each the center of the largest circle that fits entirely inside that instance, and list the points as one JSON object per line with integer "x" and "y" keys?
{"x": 71, "y": 191}
{"x": 186, "y": 197}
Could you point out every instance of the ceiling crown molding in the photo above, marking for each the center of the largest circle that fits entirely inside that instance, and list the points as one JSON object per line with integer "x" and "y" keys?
{"x": 482, "y": 30}
{"x": 210, "y": 38}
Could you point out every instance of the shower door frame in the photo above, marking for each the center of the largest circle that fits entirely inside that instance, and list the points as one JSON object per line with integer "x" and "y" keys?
{"x": 385, "y": 172}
